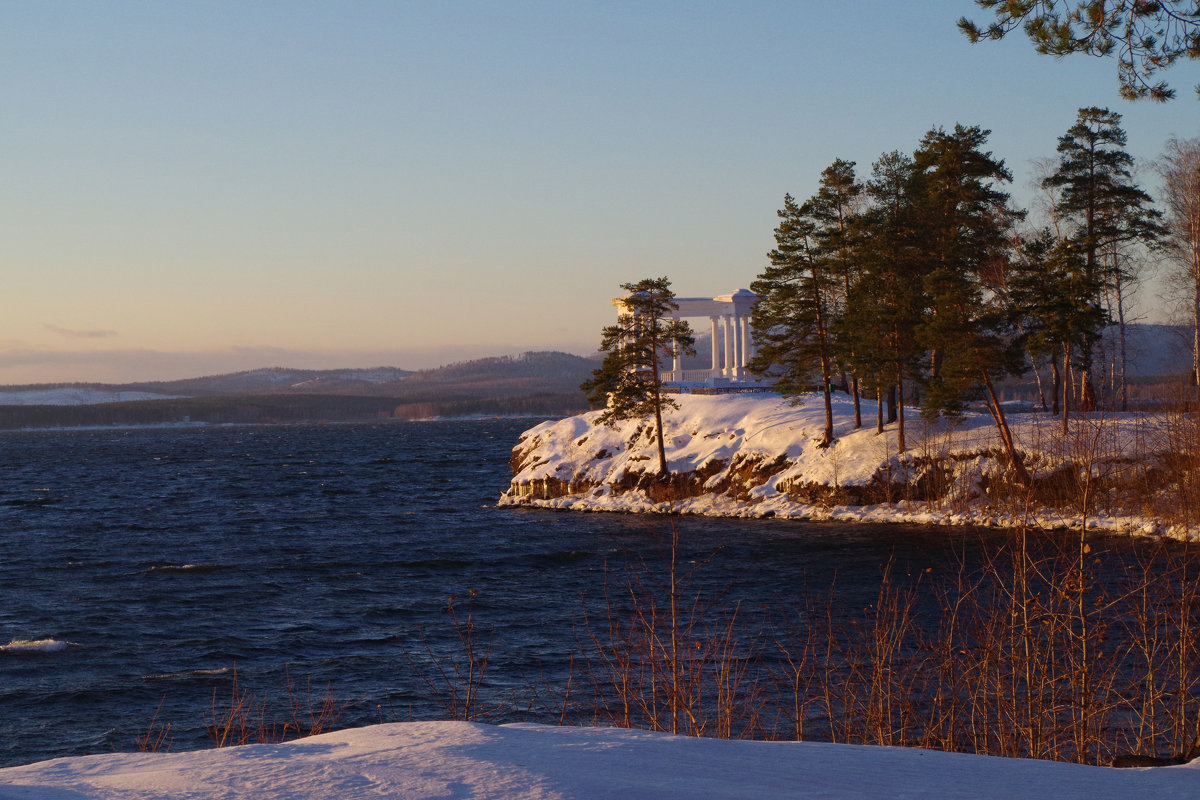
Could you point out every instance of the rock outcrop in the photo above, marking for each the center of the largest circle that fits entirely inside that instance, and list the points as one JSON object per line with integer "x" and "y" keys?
{"x": 758, "y": 455}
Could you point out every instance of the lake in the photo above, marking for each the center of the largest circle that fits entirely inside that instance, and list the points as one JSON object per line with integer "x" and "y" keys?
{"x": 140, "y": 568}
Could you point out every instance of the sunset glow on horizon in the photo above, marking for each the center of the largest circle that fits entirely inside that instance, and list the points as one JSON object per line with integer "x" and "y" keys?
{"x": 202, "y": 188}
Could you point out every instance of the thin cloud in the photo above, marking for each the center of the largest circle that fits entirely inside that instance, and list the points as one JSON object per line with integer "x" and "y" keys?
{"x": 71, "y": 333}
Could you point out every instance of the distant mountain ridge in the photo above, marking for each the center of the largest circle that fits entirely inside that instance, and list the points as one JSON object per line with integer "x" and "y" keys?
{"x": 536, "y": 383}
{"x": 543, "y": 383}
{"x": 269, "y": 380}
{"x": 554, "y": 369}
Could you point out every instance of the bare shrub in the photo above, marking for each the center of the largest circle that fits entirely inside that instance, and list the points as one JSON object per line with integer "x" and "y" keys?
{"x": 665, "y": 658}
{"x": 310, "y": 715}
{"x": 157, "y": 737}
{"x": 240, "y": 719}
{"x": 459, "y": 683}
{"x": 244, "y": 717}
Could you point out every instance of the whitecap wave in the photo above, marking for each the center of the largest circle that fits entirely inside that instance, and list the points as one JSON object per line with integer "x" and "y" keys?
{"x": 34, "y": 646}
{"x": 191, "y": 673}
{"x": 187, "y": 568}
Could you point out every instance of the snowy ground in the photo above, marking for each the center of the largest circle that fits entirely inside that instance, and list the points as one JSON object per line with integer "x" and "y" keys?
{"x": 418, "y": 760}
{"x": 722, "y": 429}
{"x": 74, "y": 396}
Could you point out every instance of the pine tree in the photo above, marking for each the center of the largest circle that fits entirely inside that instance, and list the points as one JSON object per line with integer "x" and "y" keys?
{"x": 1098, "y": 197}
{"x": 1052, "y": 300}
{"x": 1146, "y": 35}
{"x": 834, "y": 208}
{"x": 962, "y": 221}
{"x": 792, "y": 321}
{"x": 885, "y": 299}
{"x": 630, "y": 376}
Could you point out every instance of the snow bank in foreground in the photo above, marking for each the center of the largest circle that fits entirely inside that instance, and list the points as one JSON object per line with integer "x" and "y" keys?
{"x": 757, "y": 455}
{"x": 417, "y": 760}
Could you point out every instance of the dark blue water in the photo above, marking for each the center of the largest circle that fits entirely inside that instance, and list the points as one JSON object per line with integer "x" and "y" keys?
{"x": 151, "y": 563}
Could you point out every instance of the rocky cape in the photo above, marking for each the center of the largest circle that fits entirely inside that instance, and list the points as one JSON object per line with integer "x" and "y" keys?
{"x": 757, "y": 455}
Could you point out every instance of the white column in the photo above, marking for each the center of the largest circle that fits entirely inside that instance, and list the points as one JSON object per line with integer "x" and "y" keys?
{"x": 716, "y": 350}
{"x": 737, "y": 345}
{"x": 676, "y": 365}
{"x": 747, "y": 343}
{"x": 725, "y": 321}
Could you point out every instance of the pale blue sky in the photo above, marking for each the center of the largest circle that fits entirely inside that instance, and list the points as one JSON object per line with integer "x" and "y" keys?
{"x": 193, "y": 188}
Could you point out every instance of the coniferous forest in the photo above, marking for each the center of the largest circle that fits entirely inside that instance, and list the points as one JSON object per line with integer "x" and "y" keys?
{"x": 921, "y": 283}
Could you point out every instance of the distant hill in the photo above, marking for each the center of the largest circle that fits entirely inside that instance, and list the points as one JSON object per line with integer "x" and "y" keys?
{"x": 274, "y": 380}
{"x": 277, "y": 380}
{"x": 1156, "y": 351}
{"x": 542, "y": 383}
{"x": 534, "y": 383}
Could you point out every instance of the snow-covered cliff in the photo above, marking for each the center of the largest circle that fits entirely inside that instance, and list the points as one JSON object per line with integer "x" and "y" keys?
{"x": 757, "y": 455}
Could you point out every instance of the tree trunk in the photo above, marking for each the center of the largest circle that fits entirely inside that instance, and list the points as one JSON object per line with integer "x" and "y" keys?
{"x": 1041, "y": 390}
{"x": 662, "y": 448}
{"x": 1056, "y": 386}
{"x": 878, "y": 409}
{"x": 1087, "y": 382}
{"x": 854, "y": 390}
{"x": 1196, "y": 331}
{"x": 900, "y": 443}
{"x": 658, "y": 422}
{"x": 1121, "y": 351}
{"x": 1018, "y": 463}
{"x": 827, "y": 394}
{"x": 1066, "y": 389}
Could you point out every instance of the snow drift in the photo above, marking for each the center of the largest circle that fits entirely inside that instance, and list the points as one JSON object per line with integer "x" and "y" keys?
{"x": 419, "y": 760}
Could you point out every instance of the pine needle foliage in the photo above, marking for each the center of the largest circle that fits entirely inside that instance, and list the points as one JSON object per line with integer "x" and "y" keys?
{"x": 629, "y": 381}
{"x": 800, "y": 295}
{"x": 1146, "y": 36}
{"x": 1104, "y": 208}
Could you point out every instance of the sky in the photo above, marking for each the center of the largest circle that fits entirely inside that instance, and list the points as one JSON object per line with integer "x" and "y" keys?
{"x": 206, "y": 187}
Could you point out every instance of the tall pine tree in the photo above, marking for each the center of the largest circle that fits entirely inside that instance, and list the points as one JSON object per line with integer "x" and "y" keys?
{"x": 1054, "y": 305}
{"x": 1105, "y": 208}
{"x": 629, "y": 379}
{"x": 962, "y": 227}
{"x": 961, "y": 222}
{"x": 885, "y": 299}
{"x": 834, "y": 208}
{"x": 792, "y": 321}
